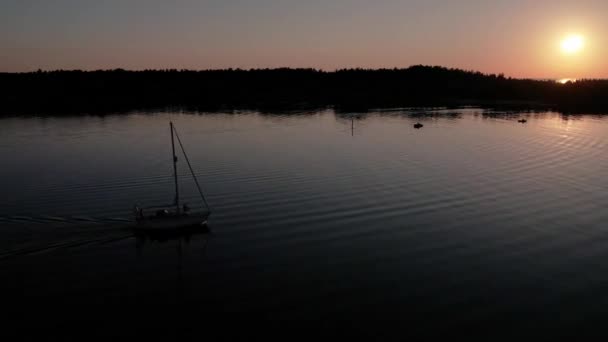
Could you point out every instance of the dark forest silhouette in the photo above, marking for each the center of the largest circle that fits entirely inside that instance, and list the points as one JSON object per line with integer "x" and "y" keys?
{"x": 57, "y": 92}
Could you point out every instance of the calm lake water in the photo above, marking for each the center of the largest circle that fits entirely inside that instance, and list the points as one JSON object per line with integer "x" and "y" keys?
{"x": 351, "y": 223}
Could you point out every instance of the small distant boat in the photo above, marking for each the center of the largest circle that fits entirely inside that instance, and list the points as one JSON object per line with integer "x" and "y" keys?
{"x": 174, "y": 216}
{"x": 418, "y": 125}
{"x": 522, "y": 121}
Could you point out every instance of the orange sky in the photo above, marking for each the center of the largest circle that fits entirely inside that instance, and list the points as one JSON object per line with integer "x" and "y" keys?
{"x": 518, "y": 38}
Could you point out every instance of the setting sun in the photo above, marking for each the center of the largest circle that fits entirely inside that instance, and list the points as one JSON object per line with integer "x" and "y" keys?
{"x": 572, "y": 44}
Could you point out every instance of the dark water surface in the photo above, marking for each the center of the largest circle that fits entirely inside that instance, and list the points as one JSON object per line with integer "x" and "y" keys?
{"x": 342, "y": 224}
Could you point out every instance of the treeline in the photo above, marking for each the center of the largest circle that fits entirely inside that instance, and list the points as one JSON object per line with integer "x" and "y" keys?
{"x": 120, "y": 90}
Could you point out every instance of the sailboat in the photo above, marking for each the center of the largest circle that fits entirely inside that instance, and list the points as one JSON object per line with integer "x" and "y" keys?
{"x": 177, "y": 215}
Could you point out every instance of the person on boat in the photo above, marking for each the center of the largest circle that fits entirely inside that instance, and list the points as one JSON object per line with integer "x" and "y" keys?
{"x": 139, "y": 213}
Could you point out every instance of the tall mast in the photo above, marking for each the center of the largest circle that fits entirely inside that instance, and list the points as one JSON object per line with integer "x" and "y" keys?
{"x": 198, "y": 186}
{"x": 174, "y": 170}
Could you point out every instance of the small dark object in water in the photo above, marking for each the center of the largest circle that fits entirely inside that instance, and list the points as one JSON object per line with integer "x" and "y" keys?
{"x": 418, "y": 125}
{"x": 522, "y": 121}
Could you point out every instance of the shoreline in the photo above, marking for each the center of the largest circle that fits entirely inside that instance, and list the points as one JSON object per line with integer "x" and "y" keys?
{"x": 297, "y": 108}
{"x": 118, "y": 91}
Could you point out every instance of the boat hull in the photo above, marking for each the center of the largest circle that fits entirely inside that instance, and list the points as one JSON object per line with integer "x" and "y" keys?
{"x": 171, "y": 222}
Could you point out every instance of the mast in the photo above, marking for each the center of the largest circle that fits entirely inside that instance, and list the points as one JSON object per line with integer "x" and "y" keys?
{"x": 174, "y": 170}
{"x": 198, "y": 186}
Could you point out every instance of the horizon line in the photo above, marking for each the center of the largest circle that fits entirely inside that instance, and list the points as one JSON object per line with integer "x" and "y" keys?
{"x": 321, "y": 70}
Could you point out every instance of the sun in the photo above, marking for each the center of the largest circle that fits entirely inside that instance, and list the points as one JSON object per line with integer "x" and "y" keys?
{"x": 573, "y": 44}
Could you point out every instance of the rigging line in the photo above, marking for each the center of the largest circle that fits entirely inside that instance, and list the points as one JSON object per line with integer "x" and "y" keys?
{"x": 191, "y": 171}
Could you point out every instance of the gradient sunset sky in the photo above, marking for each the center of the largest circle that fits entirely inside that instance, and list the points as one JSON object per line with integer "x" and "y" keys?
{"x": 520, "y": 38}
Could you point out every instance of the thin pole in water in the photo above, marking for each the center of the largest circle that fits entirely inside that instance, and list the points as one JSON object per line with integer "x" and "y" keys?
{"x": 174, "y": 170}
